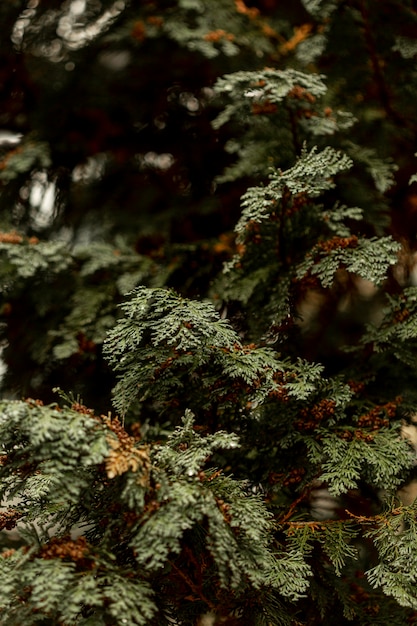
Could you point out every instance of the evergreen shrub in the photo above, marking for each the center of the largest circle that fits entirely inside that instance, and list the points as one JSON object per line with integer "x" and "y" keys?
{"x": 208, "y": 312}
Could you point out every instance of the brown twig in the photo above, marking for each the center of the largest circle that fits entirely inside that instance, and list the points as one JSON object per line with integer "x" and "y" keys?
{"x": 194, "y": 588}
{"x": 305, "y": 492}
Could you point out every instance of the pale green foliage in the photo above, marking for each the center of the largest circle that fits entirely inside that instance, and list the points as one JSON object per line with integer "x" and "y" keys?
{"x": 311, "y": 48}
{"x": 192, "y": 22}
{"x": 96, "y": 277}
{"x": 239, "y": 527}
{"x": 191, "y": 459}
{"x": 92, "y": 309}
{"x": 314, "y": 171}
{"x": 266, "y": 210}
{"x": 320, "y": 9}
{"x": 312, "y": 175}
{"x": 267, "y": 102}
{"x": 337, "y": 544}
{"x": 57, "y": 576}
{"x": 162, "y": 328}
{"x": 307, "y": 379}
{"x": 381, "y": 170}
{"x": 62, "y": 444}
{"x": 369, "y": 259}
{"x": 383, "y": 461}
{"x": 269, "y": 85}
{"x": 131, "y": 600}
{"x": 395, "y": 537}
{"x": 335, "y": 217}
{"x": 69, "y": 447}
{"x": 31, "y": 260}
{"x": 337, "y": 389}
{"x": 235, "y": 285}
{"x": 291, "y": 574}
{"x": 336, "y": 538}
{"x": 69, "y": 591}
{"x": 396, "y": 332}
{"x": 406, "y": 46}
{"x": 29, "y": 155}
{"x": 169, "y": 338}
{"x": 328, "y": 125}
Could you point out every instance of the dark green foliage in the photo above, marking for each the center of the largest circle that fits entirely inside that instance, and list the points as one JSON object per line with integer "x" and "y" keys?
{"x": 192, "y": 353}
{"x": 208, "y": 225}
{"x": 146, "y": 512}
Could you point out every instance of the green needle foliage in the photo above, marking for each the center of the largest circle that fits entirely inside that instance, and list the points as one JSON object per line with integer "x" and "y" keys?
{"x": 208, "y": 308}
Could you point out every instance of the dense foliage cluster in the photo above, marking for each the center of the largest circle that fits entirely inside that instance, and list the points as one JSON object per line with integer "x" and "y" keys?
{"x": 208, "y": 244}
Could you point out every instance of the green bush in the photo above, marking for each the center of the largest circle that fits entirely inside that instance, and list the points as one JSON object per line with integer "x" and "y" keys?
{"x": 208, "y": 312}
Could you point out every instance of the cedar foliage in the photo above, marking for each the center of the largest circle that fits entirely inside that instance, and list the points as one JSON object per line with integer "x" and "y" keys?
{"x": 208, "y": 242}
